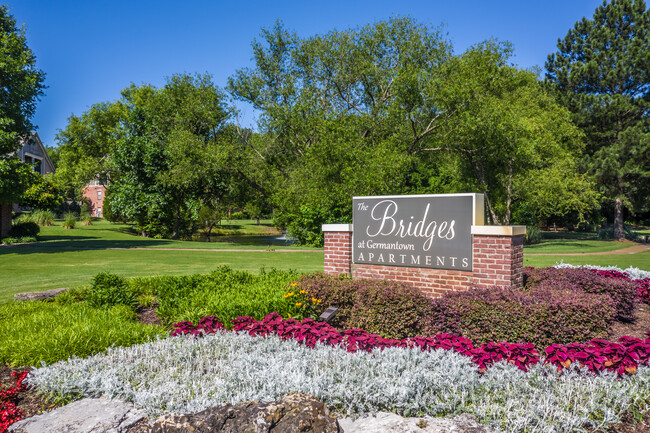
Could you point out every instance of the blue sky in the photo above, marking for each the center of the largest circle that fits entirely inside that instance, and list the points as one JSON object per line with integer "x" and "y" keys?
{"x": 92, "y": 49}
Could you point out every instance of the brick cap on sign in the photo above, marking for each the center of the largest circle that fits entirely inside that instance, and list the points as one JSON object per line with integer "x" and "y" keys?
{"x": 337, "y": 227}
{"x": 499, "y": 230}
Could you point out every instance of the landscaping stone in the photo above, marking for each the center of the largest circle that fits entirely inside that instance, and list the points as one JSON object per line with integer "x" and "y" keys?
{"x": 391, "y": 423}
{"x": 38, "y": 296}
{"x": 83, "y": 416}
{"x": 293, "y": 413}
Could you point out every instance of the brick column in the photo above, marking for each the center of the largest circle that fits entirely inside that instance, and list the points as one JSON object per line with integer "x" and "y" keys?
{"x": 498, "y": 255}
{"x": 338, "y": 248}
{"x": 5, "y": 220}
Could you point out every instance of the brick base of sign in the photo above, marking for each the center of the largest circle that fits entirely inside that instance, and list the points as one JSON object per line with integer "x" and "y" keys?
{"x": 498, "y": 259}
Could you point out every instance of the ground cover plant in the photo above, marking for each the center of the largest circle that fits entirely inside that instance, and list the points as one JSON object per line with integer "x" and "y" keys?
{"x": 9, "y": 412}
{"x": 557, "y": 306}
{"x": 33, "y": 332}
{"x": 189, "y": 374}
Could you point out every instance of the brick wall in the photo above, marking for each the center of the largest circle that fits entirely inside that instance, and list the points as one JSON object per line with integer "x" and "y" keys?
{"x": 497, "y": 261}
{"x": 5, "y": 220}
{"x": 94, "y": 196}
{"x": 338, "y": 252}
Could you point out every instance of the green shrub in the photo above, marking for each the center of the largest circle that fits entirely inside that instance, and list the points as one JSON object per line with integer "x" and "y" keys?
{"x": 23, "y": 240}
{"x": 607, "y": 233}
{"x": 87, "y": 220}
{"x": 24, "y": 229}
{"x": 43, "y": 217}
{"x": 73, "y": 296}
{"x": 533, "y": 235}
{"x": 387, "y": 308}
{"x": 540, "y": 316}
{"x": 237, "y": 216}
{"x": 147, "y": 300}
{"x": 225, "y": 293}
{"x": 69, "y": 221}
{"x": 622, "y": 292}
{"x": 31, "y": 332}
{"x": 109, "y": 290}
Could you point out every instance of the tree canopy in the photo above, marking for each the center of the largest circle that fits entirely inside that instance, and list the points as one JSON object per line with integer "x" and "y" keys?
{"x": 601, "y": 73}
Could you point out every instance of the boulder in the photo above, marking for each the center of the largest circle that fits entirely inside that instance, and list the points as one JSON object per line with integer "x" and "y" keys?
{"x": 38, "y": 296}
{"x": 391, "y": 423}
{"x": 293, "y": 413}
{"x": 90, "y": 415}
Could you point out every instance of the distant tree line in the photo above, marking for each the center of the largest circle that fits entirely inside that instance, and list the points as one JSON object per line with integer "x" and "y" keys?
{"x": 387, "y": 108}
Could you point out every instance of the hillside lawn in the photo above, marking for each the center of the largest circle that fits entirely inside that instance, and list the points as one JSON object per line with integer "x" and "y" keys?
{"x": 70, "y": 258}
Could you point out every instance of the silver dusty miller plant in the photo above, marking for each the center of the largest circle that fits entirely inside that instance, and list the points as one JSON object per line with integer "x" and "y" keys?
{"x": 188, "y": 375}
{"x": 632, "y": 272}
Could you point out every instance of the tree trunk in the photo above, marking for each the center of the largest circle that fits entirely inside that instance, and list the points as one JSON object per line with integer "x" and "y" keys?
{"x": 619, "y": 233}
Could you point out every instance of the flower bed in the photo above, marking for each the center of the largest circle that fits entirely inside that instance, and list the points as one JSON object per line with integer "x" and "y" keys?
{"x": 597, "y": 355}
{"x": 184, "y": 374}
{"x": 9, "y": 412}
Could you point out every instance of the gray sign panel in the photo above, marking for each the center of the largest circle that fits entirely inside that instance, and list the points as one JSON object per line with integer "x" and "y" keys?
{"x": 424, "y": 231}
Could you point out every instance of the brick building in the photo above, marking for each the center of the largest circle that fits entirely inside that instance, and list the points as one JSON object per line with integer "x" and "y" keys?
{"x": 94, "y": 194}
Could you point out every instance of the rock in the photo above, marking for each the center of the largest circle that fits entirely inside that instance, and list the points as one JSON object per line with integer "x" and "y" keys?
{"x": 391, "y": 423}
{"x": 38, "y": 296}
{"x": 293, "y": 413}
{"x": 97, "y": 415}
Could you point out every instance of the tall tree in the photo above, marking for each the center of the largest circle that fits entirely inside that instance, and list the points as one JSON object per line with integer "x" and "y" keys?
{"x": 85, "y": 144}
{"x": 601, "y": 72}
{"x": 21, "y": 83}
{"x": 388, "y": 109}
{"x": 173, "y": 156}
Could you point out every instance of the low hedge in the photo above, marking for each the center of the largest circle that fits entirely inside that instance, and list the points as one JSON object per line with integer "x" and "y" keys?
{"x": 541, "y": 316}
{"x": 387, "y": 308}
{"x": 24, "y": 230}
{"x": 622, "y": 292}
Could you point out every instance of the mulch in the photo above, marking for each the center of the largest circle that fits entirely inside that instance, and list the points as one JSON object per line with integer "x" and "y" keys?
{"x": 31, "y": 403}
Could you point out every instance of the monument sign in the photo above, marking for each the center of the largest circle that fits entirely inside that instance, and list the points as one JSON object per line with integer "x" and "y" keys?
{"x": 424, "y": 231}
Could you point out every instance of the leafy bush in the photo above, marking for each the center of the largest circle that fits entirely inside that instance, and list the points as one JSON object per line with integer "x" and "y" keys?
{"x": 388, "y": 308}
{"x": 24, "y": 230}
{"x": 109, "y": 290}
{"x": 237, "y": 216}
{"x": 31, "y": 332}
{"x": 225, "y": 293}
{"x": 43, "y": 217}
{"x": 533, "y": 235}
{"x": 73, "y": 296}
{"x": 23, "y": 240}
{"x": 541, "y": 316}
{"x": 69, "y": 221}
{"x": 87, "y": 220}
{"x": 607, "y": 233}
{"x": 622, "y": 292}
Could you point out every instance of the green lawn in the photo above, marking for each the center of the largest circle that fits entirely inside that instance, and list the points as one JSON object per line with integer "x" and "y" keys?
{"x": 639, "y": 260}
{"x": 240, "y": 234}
{"x": 69, "y": 258}
{"x": 570, "y": 242}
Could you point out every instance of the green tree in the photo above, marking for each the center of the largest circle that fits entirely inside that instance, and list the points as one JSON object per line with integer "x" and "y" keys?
{"x": 601, "y": 72}
{"x": 85, "y": 144}
{"x": 42, "y": 193}
{"x": 21, "y": 83}
{"x": 173, "y": 156}
{"x": 388, "y": 109}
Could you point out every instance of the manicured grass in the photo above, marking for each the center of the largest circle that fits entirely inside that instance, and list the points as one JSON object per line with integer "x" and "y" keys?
{"x": 571, "y": 243}
{"x": 31, "y": 269}
{"x": 638, "y": 260}
{"x": 241, "y": 234}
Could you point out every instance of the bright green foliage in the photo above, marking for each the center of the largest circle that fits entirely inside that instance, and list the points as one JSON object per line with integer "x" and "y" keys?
{"x": 85, "y": 145}
{"x": 601, "y": 72}
{"x": 388, "y": 109}
{"x": 22, "y": 84}
{"x": 43, "y": 193}
{"x": 225, "y": 293}
{"x": 109, "y": 290}
{"x": 69, "y": 221}
{"x": 31, "y": 332}
{"x": 173, "y": 156}
{"x": 42, "y": 217}
{"x": 15, "y": 179}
